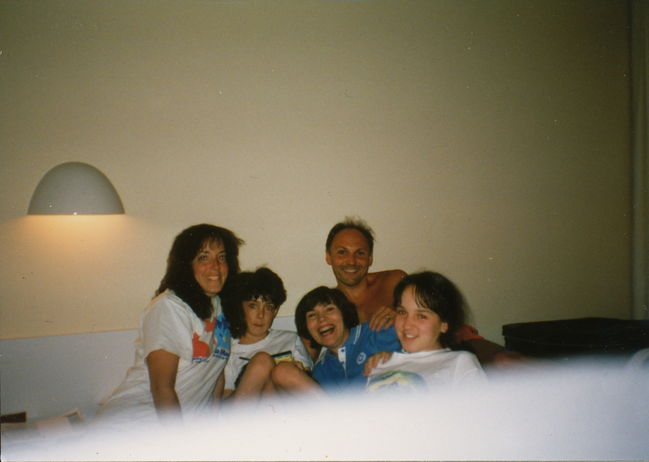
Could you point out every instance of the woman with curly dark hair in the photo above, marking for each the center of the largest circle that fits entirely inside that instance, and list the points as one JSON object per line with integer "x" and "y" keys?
{"x": 184, "y": 341}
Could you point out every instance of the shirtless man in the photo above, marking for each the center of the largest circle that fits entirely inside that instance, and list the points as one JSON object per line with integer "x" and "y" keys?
{"x": 349, "y": 249}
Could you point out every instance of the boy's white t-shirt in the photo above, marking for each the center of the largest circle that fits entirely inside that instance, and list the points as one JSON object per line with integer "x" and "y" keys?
{"x": 284, "y": 345}
{"x": 202, "y": 347}
{"x": 424, "y": 370}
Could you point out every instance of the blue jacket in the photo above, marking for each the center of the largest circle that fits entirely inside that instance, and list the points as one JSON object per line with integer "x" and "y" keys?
{"x": 336, "y": 373}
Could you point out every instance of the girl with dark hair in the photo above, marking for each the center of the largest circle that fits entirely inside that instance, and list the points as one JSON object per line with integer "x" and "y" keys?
{"x": 429, "y": 311}
{"x": 183, "y": 341}
{"x": 257, "y": 349}
{"x": 326, "y": 319}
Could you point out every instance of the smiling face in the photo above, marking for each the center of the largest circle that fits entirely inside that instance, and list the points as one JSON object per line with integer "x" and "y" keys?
{"x": 259, "y": 315}
{"x": 418, "y": 328}
{"x": 210, "y": 267}
{"x": 326, "y": 325}
{"x": 349, "y": 256}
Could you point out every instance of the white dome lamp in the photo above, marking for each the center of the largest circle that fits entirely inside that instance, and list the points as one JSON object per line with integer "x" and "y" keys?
{"x": 75, "y": 188}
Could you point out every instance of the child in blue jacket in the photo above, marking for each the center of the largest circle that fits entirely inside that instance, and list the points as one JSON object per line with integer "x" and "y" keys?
{"x": 327, "y": 319}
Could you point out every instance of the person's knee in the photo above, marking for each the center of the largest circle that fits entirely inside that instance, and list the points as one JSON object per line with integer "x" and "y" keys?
{"x": 284, "y": 374}
{"x": 260, "y": 364}
{"x": 262, "y": 360}
{"x": 255, "y": 374}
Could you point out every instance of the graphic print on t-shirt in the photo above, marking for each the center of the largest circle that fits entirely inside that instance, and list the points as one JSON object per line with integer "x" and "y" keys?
{"x": 222, "y": 337}
{"x": 207, "y": 344}
{"x": 278, "y": 357}
{"x": 202, "y": 344}
{"x": 209, "y": 325}
{"x": 397, "y": 381}
{"x": 201, "y": 350}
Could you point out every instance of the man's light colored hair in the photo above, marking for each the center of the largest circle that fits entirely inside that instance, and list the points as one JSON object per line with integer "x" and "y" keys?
{"x": 352, "y": 223}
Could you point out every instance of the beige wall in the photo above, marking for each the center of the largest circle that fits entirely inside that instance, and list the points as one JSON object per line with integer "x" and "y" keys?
{"x": 488, "y": 140}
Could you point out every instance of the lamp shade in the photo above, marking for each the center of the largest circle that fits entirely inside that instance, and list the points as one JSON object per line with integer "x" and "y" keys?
{"x": 75, "y": 188}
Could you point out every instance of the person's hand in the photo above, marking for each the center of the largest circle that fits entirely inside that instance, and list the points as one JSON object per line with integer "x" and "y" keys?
{"x": 375, "y": 360}
{"x": 382, "y": 319}
{"x": 507, "y": 358}
{"x": 298, "y": 364}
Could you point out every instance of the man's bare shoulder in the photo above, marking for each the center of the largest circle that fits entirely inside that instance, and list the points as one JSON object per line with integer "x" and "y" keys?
{"x": 390, "y": 277}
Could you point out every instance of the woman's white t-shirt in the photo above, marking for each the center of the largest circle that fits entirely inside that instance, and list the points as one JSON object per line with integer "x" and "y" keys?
{"x": 202, "y": 347}
{"x": 424, "y": 370}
